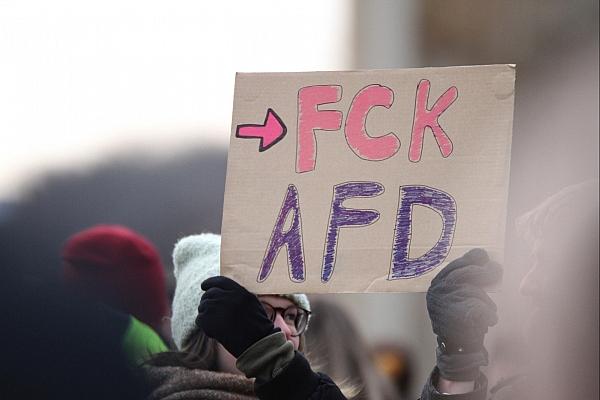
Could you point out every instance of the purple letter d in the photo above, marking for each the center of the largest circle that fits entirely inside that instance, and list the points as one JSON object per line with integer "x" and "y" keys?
{"x": 440, "y": 202}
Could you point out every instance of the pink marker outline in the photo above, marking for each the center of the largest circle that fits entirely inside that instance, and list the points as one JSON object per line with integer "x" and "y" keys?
{"x": 428, "y": 118}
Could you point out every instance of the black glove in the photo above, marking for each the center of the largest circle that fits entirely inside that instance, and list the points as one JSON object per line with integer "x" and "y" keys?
{"x": 461, "y": 313}
{"x": 232, "y": 315}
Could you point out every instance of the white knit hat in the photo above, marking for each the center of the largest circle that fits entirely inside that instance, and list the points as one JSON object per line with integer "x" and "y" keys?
{"x": 197, "y": 258}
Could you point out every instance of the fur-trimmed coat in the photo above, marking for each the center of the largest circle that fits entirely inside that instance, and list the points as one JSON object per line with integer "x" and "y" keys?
{"x": 180, "y": 383}
{"x": 297, "y": 381}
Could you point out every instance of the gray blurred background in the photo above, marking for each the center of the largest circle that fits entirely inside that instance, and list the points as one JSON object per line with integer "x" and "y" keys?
{"x": 120, "y": 113}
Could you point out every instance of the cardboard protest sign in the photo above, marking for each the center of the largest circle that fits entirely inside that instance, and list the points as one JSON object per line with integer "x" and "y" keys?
{"x": 367, "y": 180}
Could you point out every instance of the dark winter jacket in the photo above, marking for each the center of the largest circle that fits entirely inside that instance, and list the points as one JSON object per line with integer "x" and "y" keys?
{"x": 296, "y": 381}
{"x": 508, "y": 389}
{"x": 282, "y": 373}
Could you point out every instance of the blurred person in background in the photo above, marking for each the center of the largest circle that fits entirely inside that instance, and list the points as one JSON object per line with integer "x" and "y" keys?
{"x": 562, "y": 332}
{"x": 120, "y": 268}
{"x": 58, "y": 346}
{"x": 395, "y": 362}
{"x": 223, "y": 332}
{"x": 344, "y": 356}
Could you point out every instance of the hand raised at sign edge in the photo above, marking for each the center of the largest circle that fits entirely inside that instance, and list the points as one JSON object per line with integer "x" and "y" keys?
{"x": 461, "y": 313}
{"x": 232, "y": 315}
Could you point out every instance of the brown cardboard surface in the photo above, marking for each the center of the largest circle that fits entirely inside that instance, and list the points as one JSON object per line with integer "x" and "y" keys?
{"x": 259, "y": 172}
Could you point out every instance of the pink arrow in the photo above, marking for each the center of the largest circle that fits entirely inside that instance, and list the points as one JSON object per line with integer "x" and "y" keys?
{"x": 269, "y": 133}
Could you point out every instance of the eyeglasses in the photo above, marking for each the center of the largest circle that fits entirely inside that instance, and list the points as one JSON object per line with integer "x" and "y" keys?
{"x": 293, "y": 316}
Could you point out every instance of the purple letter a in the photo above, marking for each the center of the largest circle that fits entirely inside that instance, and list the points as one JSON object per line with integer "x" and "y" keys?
{"x": 292, "y": 239}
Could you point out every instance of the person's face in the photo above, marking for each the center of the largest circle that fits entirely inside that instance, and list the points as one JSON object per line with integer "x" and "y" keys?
{"x": 533, "y": 288}
{"x": 556, "y": 286}
{"x": 532, "y": 284}
{"x": 283, "y": 322}
{"x": 554, "y": 273}
{"x": 560, "y": 285}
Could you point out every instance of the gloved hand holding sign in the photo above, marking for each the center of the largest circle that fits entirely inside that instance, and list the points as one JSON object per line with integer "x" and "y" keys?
{"x": 461, "y": 313}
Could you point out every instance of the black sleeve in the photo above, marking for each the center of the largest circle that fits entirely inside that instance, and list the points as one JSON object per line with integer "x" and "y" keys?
{"x": 298, "y": 381}
{"x": 431, "y": 393}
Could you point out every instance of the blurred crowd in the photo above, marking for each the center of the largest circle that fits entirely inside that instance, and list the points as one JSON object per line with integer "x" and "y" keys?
{"x": 105, "y": 325}
{"x": 108, "y": 291}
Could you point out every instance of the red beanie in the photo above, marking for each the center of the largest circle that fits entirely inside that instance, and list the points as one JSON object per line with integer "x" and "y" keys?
{"x": 119, "y": 267}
